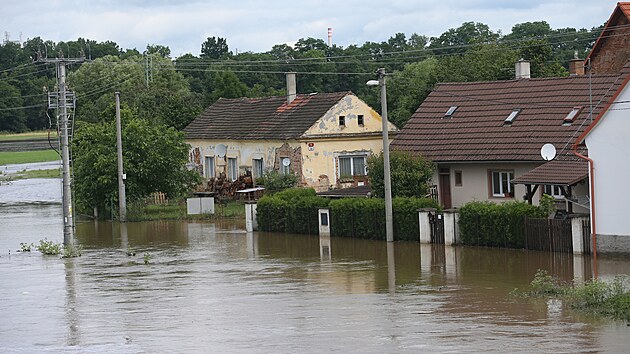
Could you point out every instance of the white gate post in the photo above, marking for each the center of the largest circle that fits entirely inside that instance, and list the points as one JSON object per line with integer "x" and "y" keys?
{"x": 425, "y": 224}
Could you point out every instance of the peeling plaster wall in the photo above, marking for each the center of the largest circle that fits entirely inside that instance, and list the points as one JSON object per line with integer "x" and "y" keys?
{"x": 319, "y": 164}
{"x": 350, "y": 107}
{"x": 243, "y": 151}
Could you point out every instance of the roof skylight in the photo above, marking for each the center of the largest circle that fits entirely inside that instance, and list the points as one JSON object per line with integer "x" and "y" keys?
{"x": 512, "y": 116}
{"x": 450, "y": 111}
{"x": 571, "y": 116}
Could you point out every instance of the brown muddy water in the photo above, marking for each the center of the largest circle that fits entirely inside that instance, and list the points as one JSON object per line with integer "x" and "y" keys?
{"x": 212, "y": 287}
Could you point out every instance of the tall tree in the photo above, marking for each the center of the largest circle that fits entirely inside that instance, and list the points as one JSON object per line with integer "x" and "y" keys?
{"x": 215, "y": 48}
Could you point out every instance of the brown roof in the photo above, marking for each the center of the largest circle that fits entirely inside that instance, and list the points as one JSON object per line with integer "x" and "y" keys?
{"x": 564, "y": 173}
{"x": 477, "y": 130}
{"x": 269, "y": 118}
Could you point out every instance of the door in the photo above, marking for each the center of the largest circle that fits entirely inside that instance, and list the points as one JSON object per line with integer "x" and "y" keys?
{"x": 445, "y": 187}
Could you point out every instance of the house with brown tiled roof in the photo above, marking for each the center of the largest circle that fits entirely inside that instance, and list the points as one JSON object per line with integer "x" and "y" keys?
{"x": 484, "y": 135}
{"x": 323, "y": 138}
{"x": 611, "y": 51}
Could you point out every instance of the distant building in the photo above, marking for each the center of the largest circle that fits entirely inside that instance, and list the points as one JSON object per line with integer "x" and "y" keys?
{"x": 323, "y": 138}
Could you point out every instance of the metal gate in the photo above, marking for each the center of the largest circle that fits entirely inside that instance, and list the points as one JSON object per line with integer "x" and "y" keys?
{"x": 436, "y": 220}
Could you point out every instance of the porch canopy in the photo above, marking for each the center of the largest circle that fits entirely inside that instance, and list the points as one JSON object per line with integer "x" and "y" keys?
{"x": 562, "y": 173}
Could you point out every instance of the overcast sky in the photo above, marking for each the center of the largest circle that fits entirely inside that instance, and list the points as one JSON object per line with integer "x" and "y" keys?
{"x": 257, "y": 25}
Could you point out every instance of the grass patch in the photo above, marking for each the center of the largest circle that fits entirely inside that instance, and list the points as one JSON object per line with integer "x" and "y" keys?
{"x": 16, "y": 157}
{"x": 178, "y": 211}
{"x": 610, "y": 299}
{"x": 41, "y": 134}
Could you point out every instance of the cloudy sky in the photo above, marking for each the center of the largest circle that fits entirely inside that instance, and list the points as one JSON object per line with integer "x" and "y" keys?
{"x": 256, "y": 25}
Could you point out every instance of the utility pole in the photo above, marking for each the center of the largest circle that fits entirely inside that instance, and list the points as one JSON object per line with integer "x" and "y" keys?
{"x": 62, "y": 100}
{"x": 122, "y": 202}
{"x": 389, "y": 220}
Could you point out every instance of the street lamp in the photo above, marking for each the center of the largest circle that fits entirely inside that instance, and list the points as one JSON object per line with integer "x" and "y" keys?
{"x": 389, "y": 223}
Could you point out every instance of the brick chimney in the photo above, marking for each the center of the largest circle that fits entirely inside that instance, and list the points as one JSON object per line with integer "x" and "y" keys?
{"x": 576, "y": 65}
{"x": 291, "y": 87}
{"x": 522, "y": 69}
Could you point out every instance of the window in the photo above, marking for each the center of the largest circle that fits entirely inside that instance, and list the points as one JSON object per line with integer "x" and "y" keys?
{"x": 285, "y": 165}
{"x": 342, "y": 121}
{"x": 232, "y": 169}
{"x": 258, "y": 168}
{"x": 209, "y": 167}
{"x": 360, "y": 120}
{"x": 351, "y": 166}
{"x": 571, "y": 116}
{"x": 450, "y": 111}
{"x": 458, "y": 178}
{"x": 512, "y": 116}
{"x": 554, "y": 191}
{"x": 502, "y": 184}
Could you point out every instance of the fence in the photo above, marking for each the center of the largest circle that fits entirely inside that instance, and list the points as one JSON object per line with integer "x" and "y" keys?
{"x": 157, "y": 198}
{"x": 551, "y": 235}
{"x": 437, "y": 227}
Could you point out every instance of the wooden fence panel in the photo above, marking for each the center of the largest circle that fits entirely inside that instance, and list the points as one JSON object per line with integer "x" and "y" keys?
{"x": 550, "y": 235}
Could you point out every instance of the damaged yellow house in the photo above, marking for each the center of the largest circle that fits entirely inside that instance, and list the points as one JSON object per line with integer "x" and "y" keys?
{"x": 323, "y": 138}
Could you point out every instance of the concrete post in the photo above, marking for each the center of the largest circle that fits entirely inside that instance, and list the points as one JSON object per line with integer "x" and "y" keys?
{"x": 324, "y": 222}
{"x": 576, "y": 234}
{"x": 424, "y": 224}
{"x": 450, "y": 227}
{"x": 251, "y": 223}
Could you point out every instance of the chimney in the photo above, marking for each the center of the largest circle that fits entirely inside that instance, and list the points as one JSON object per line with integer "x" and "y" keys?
{"x": 291, "y": 87}
{"x": 522, "y": 69}
{"x": 329, "y": 37}
{"x": 576, "y": 65}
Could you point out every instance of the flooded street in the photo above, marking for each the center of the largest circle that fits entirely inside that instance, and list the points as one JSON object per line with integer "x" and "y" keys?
{"x": 212, "y": 287}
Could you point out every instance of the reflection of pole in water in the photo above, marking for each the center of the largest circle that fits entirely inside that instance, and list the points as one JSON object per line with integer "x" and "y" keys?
{"x": 252, "y": 244}
{"x": 391, "y": 268}
{"x": 124, "y": 238}
{"x": 451, "y": 261}
{"x": 325, "y": 249}
{"x": 71, "y": 303}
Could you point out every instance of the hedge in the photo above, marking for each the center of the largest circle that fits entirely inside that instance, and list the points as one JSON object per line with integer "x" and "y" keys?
{"x": 495, "y": 225}
{"x": 295, "y": 210}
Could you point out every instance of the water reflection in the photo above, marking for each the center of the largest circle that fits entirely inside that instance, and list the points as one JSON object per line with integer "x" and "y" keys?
{"x": 213, "y": 285}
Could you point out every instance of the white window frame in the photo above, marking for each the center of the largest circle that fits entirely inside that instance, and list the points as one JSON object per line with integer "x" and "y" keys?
{"x": 285, "y": 169}
{"x": 209, "y": 168}
{"x": 553, "y": 190}
{"x": 502, "y": 176}
{"x": 353, "y": 173}
{"x": 258, "y": 167}
{"x": 232, "y": 167}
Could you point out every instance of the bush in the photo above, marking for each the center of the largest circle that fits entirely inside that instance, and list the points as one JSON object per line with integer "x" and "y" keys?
{"x": 274, "y": 181}
{"x": 365, "y": 218}
{"x": 293, "y": 210}
{"x": 495, "y": 225}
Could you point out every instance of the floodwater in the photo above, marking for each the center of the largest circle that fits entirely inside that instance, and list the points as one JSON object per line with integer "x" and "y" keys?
{"x": 212, "y": 287}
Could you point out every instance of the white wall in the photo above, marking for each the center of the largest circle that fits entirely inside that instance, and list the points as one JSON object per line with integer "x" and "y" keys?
{"x": 475, "y": 183}
{"x": 609, "y": 147}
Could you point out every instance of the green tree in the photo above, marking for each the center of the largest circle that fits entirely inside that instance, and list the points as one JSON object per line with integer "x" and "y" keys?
{"x": 409, "y": 87}
{"x": 215, "y": 48}
{"x": 155, "y": 158}
{"x": 410, "y": 174}
{"x": 160, "y": 50}
{"x": 11, "y": 119}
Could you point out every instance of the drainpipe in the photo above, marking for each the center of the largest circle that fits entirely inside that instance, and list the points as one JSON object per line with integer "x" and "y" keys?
{"x": 592, "y": 188}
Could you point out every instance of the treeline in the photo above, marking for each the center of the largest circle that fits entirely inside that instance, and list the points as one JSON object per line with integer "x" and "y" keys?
{"x": 173, "y": 91}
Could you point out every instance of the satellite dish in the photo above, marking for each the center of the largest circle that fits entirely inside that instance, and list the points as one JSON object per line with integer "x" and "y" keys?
{"x": 286, "y": 161}
{"x": 548, "y": 152}
{"x": 220, "y": 150}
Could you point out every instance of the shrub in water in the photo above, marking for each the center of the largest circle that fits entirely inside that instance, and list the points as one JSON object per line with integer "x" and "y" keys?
{"x": 49, "y": 247}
